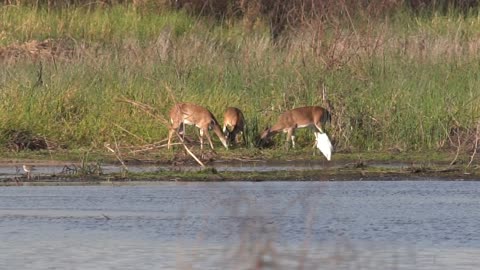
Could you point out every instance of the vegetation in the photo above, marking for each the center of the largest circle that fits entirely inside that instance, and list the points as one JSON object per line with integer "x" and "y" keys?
{"x": 407, "y": 81}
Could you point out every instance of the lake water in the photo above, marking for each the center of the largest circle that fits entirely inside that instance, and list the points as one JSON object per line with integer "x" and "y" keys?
{"x": 243, "y": 225}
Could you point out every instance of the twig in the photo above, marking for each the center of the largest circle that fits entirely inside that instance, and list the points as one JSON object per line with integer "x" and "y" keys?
{"x": 248, "y": 160}
{"x": 458, "y": 151}
{"x": 146, "y": 145}
{"x": 193, "y": 155}
{"x": 116, "y": 153}
{"x": 134, "y": 135}
{"x": 145, "y": 108}
{"x": 151, "y": 147}
{"x": 477, "y": 138}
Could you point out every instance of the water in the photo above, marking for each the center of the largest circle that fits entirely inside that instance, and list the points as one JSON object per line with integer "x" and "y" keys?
{"x": 8, "y": 171}
{"x": 277, "y": 225}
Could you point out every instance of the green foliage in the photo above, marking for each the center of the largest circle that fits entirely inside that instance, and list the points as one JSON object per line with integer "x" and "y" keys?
{"x": 403, "y": 83}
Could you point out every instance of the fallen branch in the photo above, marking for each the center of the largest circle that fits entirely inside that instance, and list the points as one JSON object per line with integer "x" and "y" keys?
{"x": 477, "y": 138}
{"x": 146, "y": 109}
{"x": 130, "y": 133}
{"x": 117, "y": 154}
{"x": 457, "y": 152}
{"x": 152, "y": 147}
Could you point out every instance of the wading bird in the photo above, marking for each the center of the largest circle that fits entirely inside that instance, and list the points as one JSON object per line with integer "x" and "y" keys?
{"x": 28, "y": 170}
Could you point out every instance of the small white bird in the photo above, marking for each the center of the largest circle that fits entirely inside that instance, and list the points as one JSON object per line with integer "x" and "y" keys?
{"x": 324, "y": 144}
{"x": 28, "y": 170}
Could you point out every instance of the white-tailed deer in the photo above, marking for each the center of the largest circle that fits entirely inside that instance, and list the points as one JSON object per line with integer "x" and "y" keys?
{"x": 233, "y": 124}
{"x": 192, "y": 114}
{"x": 311, "y": 116}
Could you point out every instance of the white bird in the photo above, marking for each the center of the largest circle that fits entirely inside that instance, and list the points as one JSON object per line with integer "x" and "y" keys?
{"x": 324, "y": 144}
{"x": 28, "y": 169}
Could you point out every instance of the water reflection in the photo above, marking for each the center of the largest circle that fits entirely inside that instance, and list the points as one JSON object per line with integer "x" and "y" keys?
{"x": 276, "y": 225}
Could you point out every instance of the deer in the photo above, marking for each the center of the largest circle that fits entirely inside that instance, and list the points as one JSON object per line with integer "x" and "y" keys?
{"x": 310, "y": 116}
{"x": 193, "y": 114}
{"x": 233, "y": 124}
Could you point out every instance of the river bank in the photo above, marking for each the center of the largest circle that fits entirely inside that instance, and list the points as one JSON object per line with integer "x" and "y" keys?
{"x": 105, "y": 170}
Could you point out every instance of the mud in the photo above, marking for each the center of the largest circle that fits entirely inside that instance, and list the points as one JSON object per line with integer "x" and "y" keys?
{"x": 69, "y": 173}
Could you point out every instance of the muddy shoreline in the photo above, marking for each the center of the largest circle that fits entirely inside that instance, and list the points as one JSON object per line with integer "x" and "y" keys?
{"x": 151, "y": 172}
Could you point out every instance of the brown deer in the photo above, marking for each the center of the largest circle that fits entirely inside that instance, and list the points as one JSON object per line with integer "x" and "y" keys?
{"x": 233, "y": 124}
{"x": 192, "y": 114}
{"x": 311, "y": 116}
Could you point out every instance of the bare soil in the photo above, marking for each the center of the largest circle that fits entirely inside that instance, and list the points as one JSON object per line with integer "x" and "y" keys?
{"x": 137, "y": 172}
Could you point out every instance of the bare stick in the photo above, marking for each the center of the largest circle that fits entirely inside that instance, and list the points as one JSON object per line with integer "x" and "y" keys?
{"x": 193, "y": 155}
{"x": 324, "y": 92}
{"x": 477, "y": 138}
{"x": 458, "y": 151}
{"x": 134, "y": 135}
{"x": 117, "y": 155}
{"x": 145, "y": 108}
{"x": 155, "y": 144}
{"x": 151, "y": 147}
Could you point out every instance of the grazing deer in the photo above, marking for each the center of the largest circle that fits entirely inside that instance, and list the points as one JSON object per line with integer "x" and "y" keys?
{"x": 233, "y": 124}
{"x": 289, "y": 121}
{"x": 192, "y": 114}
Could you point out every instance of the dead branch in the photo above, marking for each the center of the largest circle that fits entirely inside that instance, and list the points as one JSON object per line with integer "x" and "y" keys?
{"x": 146, "y": 109}
{"x": 130, "y": 133}
{"x": 117, "y": 154}
{"x": 151, "y": 147}
{"x": 459, "y": 146}
{"x": 477, "y": 138}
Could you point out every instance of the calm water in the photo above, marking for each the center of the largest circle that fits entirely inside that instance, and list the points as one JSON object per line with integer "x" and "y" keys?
{"x": 278, "y": 225}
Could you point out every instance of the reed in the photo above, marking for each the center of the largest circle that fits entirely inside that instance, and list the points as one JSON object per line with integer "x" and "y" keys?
{"x": 405, "y": 82}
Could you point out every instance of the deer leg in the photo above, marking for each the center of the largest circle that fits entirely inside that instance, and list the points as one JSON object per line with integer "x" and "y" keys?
{"x": 181, "y": 131}
{"x": 209, "y": 138}
{"x": 170, "y": 134}
{"x": 293, "y": 138}
{"x": 175, "y": 129}
{"x": 229, "y": 135}
{"x": 289, "y": 137}
{"x": 234, "y": 136}
{"x": 244, "y": 138}
{"x": 201, "y": 138}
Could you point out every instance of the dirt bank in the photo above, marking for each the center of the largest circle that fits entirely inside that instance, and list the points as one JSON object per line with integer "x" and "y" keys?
{"x": 137, "y": 172}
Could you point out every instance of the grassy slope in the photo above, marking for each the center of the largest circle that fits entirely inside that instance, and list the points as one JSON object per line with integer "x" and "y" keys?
{"x": 405, "y": 83}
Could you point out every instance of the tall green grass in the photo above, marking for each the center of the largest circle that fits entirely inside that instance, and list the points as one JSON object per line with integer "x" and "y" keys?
{"x": 400, "y": 83}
